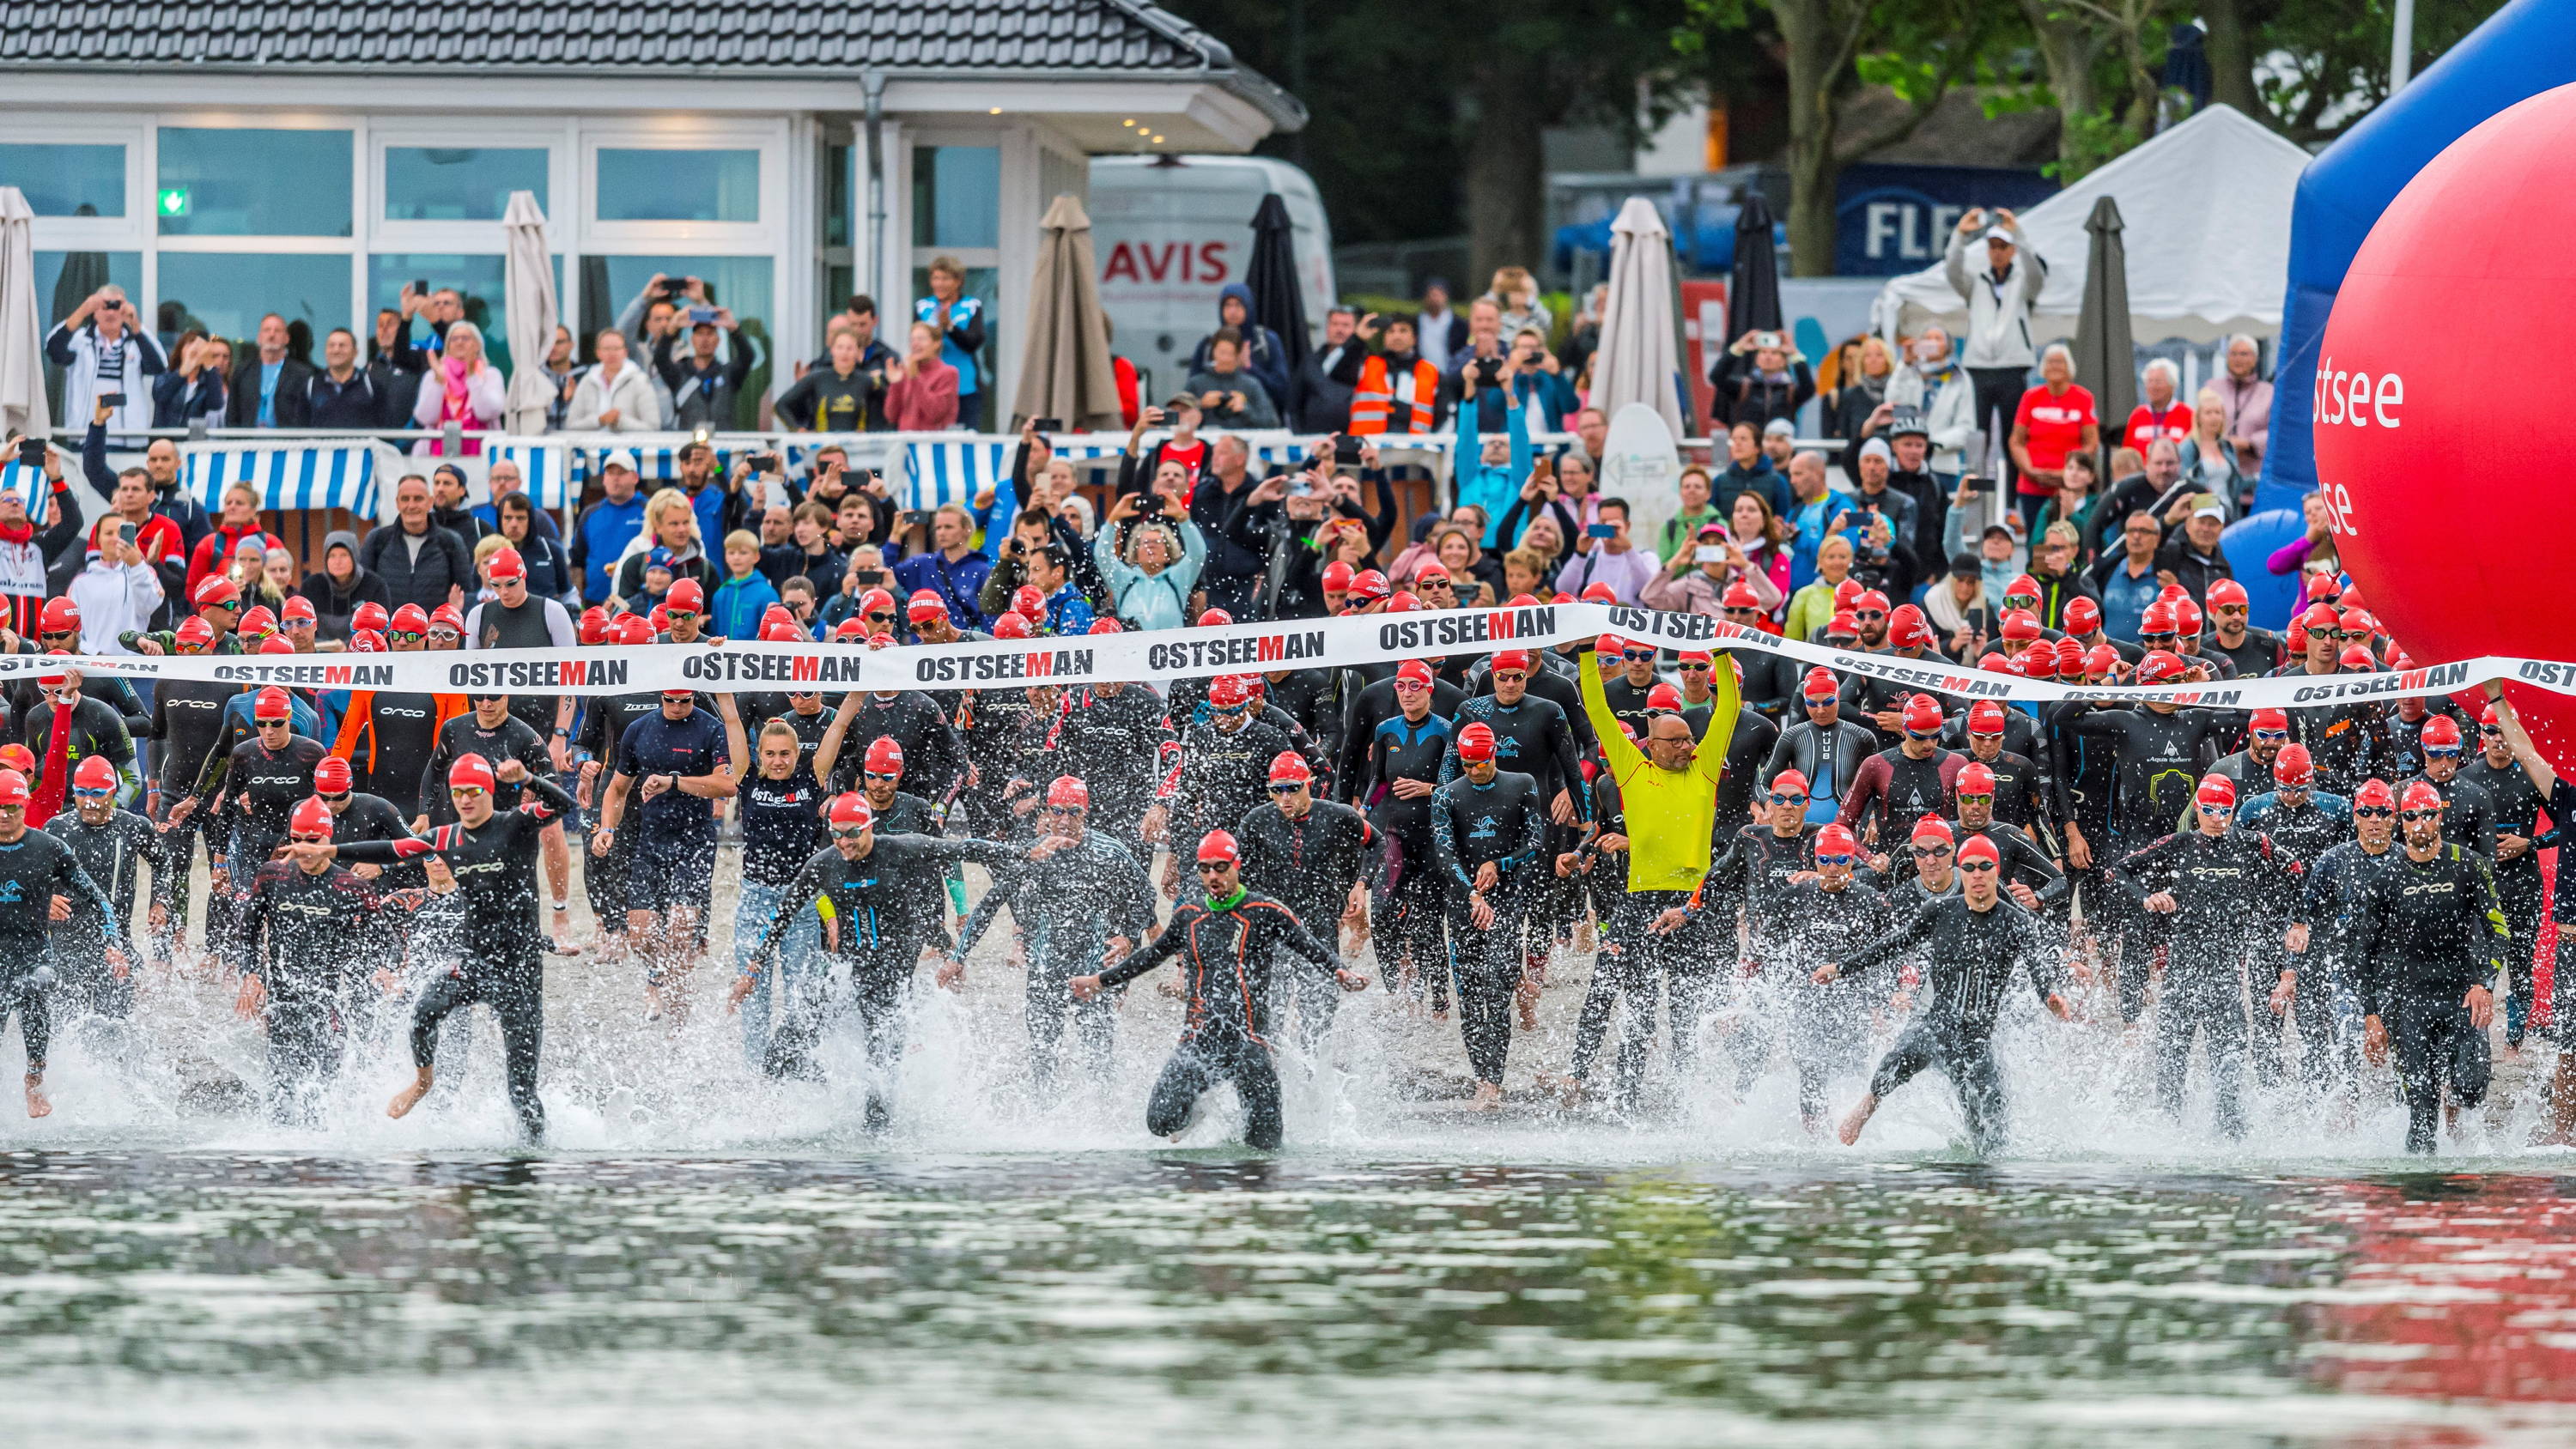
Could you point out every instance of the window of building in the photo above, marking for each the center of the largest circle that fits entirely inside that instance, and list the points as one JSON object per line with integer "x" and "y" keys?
{"x": 65, "y": 179}
{"x": 226, "y": 293}
{"x": 612, "y": 295}
{"x": 254, "y": 183}
{"x": 460, "y": 183}
{"x": 956, "y": 196}
{"x": 657, "y": 185}
{"x": 66, "y": 279}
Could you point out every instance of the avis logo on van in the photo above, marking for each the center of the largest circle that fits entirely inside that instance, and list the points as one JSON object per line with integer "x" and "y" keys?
{"x": 1202, "y": 263}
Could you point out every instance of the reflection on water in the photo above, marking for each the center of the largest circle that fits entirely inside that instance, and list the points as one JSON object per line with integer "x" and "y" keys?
{"x": 1116, "y": 1298}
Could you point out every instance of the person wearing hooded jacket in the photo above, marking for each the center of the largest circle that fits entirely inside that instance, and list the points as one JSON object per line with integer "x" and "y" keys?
{"x": 336, "y": 596}
{"x": 1263, "y": 354}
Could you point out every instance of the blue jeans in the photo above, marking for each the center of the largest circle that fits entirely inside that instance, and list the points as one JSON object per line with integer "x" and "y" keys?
{"x": 803, "y": 969}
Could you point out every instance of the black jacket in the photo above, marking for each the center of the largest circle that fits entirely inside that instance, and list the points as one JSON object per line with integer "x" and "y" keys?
{"x": 294, "y": 399}
{"x": 333, "y": 604}
{"x": 443, "y": 562}
{"x": 357, "y": 403}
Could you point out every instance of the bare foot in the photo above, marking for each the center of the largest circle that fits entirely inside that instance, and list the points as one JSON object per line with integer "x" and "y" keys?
{"x": 409, "y": 1097}
{"x": 1562, "y": 1087}
{"x": 1849, "y": 1132}
{"x": 1489, "y": 1098}
{"x": 37, "y": 1104}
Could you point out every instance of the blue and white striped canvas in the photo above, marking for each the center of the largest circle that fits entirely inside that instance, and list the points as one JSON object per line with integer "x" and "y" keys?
{"x": 294, "y": 477}
{"x": 950, "y": 472}
{"x": 30, "y": 486}
{"x": 547, "y": 469}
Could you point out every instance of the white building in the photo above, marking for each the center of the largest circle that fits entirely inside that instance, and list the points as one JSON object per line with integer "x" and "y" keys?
{"x": 221, "y": 160}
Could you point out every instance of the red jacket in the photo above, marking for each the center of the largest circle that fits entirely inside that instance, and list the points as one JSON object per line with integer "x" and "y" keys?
{"x": 215, "y": 550}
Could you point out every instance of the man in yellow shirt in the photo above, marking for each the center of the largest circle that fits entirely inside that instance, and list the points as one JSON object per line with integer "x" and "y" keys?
{"x": 1668, "y": 803}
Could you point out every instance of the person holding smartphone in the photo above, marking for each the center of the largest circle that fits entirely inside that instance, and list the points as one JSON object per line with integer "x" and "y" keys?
{"x": 1606, "y": 555}
{"x": 103, "y": 349}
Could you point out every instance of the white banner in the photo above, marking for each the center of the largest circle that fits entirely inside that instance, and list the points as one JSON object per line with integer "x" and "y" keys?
{"x": 1231, "y": 649}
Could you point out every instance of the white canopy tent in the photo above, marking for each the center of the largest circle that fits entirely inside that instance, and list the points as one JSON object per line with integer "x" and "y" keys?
{"x": 2207, "y": 213}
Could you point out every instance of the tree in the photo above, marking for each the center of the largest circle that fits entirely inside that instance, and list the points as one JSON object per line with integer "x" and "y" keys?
{"x": 1829, "y": 49}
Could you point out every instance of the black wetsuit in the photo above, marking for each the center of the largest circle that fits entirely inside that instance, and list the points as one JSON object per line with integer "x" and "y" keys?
{"x": 110, "y": 853}
{"x": 1226, "y": 953}
{"x": 391, "y": 745}
{"x": 1113, "y": 743}
{"x": 2426, "y": 933}
{"x": 1221, "y": 778}
{"x": 1828, "y": 1024}
{"x": 2021, "y": 858}
{"x": 465, "y": 735}
{"x": 1371, "y": 707}
{"x": 2326, "y": 1000}
{"x": 1309, "y": 865}
{"x": 880, "y": 919}
{"x": 502, "y": 944}
{"x": 2155, "y": 763}
{"x": 1409, "y": 905}
{"x": 187, "y": 721}
{"x": 1830, "y": 756}
{"x": 1969, "y": 959}
{"x": 246, "y": 801}
{"x": 2233, "y": 894}
{"x": 1505, "y": 823}
{"x": 35, "y": 868}
{"x": 1891, "y": 793}
{"x": 603, "y": 727}
{"x": 2023, "y": 794}
{"x": 307, "y": 937}
{"x": 2517, "y": 804}
{"x": 1067, "y": 908}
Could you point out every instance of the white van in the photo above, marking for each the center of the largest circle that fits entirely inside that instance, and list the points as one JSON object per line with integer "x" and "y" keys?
{"x": 1169, "y": 231}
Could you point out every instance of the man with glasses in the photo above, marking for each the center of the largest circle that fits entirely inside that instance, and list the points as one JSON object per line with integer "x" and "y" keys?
{"x": 1078, "y": 899}
{"x": 1894, "y": 788}
{"x": 603, "y": 724}
{"x": 1880, "y": 703}
{"x": 2220, "y": 893}
{"x": 2254, "y": 652}
{"x": 933, "y": 752}
{"x": 1227, "y": 944}
{"x": 1531, "y": 736}
{"x": 669, "y": 766}
{"x": 2348, "y": 741}
{"x": 1111, "y": 737}
{"x": 247, "y": 794}
{"x": 308, "y": 928}
{"x": 446, "y": 629}
{"x": 2033, "y": 883}
{"x": 1970, "y": 945}
{"x": 1751, "y": 878}
{"x": 109, "y": 843}
{"x": 2428, "y": 924}
{"x": 1824, "y": 749}
{"x": 867, "y": 886}
{"x": 40, "y": 883}
{"x": 1312, "y": 856}
{"x": 389, "y": 736}
{"x": 515, "y": 619}
{"x": 492, "y": 856}
{"x": 2517, "y": 803}
{"x": 1935, "y": 851}
{"x": 66, "y": 728}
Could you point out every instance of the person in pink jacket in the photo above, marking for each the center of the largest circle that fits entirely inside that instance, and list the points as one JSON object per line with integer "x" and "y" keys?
{"x": 461, "y": 388}
{"x": 922, "y": 396}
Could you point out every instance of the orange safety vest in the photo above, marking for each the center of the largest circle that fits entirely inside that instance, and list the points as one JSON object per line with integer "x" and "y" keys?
{"x": 1374, "y": 399}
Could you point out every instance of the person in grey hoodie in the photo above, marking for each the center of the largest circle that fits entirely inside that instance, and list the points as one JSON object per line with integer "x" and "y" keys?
{"x": 338, "y": 587}
{"x": 1261, "y": 353}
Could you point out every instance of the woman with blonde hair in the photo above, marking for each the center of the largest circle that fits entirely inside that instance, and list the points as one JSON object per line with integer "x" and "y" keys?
{"x": 2210, "y": 459}
{"x": 1859, "y": 393}
{"x": 671, "y": 532}
{"x": 460, "y": 388}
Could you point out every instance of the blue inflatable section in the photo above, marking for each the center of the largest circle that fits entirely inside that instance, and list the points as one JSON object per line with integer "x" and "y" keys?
{"x": 2248, "y": 544}
{"x": 2526, "y": 48}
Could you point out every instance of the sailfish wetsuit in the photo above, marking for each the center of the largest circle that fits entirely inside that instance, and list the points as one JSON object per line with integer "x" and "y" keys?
{"x": 1227, "y": 950}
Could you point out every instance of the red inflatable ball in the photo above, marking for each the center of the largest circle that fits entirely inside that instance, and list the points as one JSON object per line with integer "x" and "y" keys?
{"x": 2448, "y": 508}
